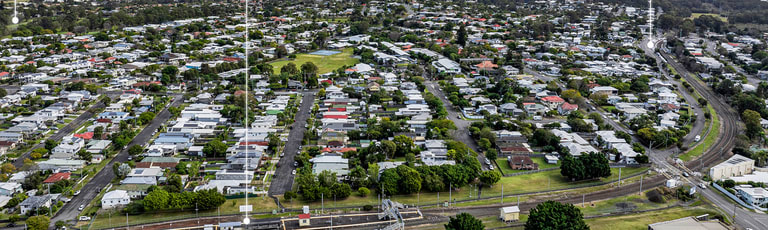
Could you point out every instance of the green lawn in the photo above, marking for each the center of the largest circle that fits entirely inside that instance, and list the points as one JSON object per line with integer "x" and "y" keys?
{"x": 707, "y": 141}
{"x": 116, "y": 219}
{"x": 549, "y": 180}
{"x": 696, "y": 15}
{"x": 324, "y": 64}
{"x": 640, "y": 221}
{"x": 619, "y": 204}
{"x": 504, "y": 166}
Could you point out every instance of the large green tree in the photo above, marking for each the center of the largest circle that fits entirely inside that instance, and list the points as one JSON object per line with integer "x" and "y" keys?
{"x": 464, "y": 221}
{"x": 490, "y": 177}
{"x": 553, "y": 215}
{"x": 38, "y": 223}
{"x": 752, "y": 121}
{"x": 156, "y": 200}
{"x": 215, "y": 148}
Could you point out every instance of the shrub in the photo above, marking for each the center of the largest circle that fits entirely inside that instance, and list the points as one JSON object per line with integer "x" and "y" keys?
{"x": 363, "y": 191}
{"x": 367, "y": 207}
{"x": 655, "y": 196}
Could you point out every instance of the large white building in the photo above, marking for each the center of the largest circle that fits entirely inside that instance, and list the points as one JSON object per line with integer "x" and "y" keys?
{"x": 751, "y": 195}
{"x": 737, "y": 165}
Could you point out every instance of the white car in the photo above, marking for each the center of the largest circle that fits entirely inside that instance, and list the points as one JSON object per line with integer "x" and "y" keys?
{"x": 294, "y": 172}
{"x": 77, "y": 193}
{"x": 82, "y": 206}
{"x": 85, "y": 218}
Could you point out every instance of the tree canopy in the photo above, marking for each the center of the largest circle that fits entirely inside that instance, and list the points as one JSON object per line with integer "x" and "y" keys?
{"x": 553, "y": 215}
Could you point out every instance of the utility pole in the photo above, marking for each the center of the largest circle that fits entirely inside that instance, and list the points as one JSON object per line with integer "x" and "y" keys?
{"x": 450, "y": 193}
{"x": 619, "y": 177}
{"x": 127, "y": 226}
{"x": 641, "y": 184}
{"x": 582, "y": 200}
{"x": 502, "y": 193}
{"x": 322, "y": 203}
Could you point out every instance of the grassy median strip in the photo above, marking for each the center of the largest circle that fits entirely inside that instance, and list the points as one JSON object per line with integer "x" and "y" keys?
{"x": 714, "y": 132}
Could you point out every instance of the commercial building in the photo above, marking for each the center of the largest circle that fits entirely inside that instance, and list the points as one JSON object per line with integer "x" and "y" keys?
{"x": 737, "y": 165}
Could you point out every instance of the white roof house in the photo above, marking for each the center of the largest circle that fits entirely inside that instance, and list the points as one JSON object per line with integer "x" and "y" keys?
{"x": 115, "y": 198}
{"x": 335, "y": 164}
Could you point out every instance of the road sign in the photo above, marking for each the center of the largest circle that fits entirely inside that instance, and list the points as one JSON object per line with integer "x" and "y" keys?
{"x": 246, "y": 208}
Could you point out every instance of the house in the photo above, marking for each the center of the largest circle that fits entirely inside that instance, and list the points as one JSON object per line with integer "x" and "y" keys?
{"x": 552, "y": 102}
{"x": 522, "y": 163}
{"x": 56, "y": 177}
{"x": 10, "y": 188}
{"x": 566, "y": 108}
{"x": 756, "y": 196}
{"x": 304, "y": 220}
{"x": 61, "y": 164}
{"x": 551, "y": 159}
{"x": 12, "y": 137}
{"x": 33, "y": 203}
{"x": 509, "y": 214}
{"x": 335, "y": 164}
{"x": 115, "y": 198}
{"x": 608, "y": 90}
{"x": 737, "y": 165}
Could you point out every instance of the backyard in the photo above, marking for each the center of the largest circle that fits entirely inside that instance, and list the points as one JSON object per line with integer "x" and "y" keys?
{"x": 505, "y": 169}
{"x": 324, "y": 64}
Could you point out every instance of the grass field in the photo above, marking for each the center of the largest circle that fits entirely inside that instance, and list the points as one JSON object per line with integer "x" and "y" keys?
{"x": 504, "y": 166}
{"x": 696, "y": 15}
{"x": 549, "y": 180}
{"x": 117, "y": 219}
{"x": 324, "y": 64}
{"x": 640, "y": 221}
{"x": 709, "y": 140}
{"x": 619, "y": 204}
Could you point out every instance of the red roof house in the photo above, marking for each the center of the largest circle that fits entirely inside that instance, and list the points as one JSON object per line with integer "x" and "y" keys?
{"x": 56, "y": 177}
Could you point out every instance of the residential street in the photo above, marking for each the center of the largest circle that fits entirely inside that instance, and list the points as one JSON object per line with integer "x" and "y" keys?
{"x": 91, "y": 190}
{"x": 462, "y": 132}
{"x": 283, "y": 178}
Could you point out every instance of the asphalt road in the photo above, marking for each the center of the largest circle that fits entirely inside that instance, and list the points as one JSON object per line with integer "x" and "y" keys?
{"x": 283, "y": 178}
{"x": 461, "y": 134}
{"x": 69, "y": 211}
{"x": 719, "y": 151}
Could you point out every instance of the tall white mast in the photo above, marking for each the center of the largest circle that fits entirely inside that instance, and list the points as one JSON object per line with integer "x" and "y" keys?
{"x": 246, "y": 220}
{"x": 650, "y": 44}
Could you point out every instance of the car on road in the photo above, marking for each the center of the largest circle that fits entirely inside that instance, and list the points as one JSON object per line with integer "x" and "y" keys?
{"x": 295, "y": 164}
{"x": 85, "y": 218}
{"x": 685, "y": 174}
{"x": 77, "y": 193}
{"x": 82, "y": 206}
{"x": 282, "y": 154}
{"x": 490, "y": 167}
{"x": 458, "y": 116}
{"x": 697, "y": 138}
{"x": 703, "y": 185}
{"x": 293, "y": 172}
{"x": 488, "y": 162}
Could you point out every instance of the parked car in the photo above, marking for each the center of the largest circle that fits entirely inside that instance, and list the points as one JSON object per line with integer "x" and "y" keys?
{"x": 77, "y": 192}
{"x": 703, "y": 185}
{"x": 697, "y": 139}
{"x": 293, "y": 172}
{"x": 85, "y": 218}
{"x": 295, "y": 164}
{"x": 82, "y": 206}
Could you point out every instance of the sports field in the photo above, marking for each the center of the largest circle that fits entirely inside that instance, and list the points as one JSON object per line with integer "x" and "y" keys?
{"x": 324, "y": 64}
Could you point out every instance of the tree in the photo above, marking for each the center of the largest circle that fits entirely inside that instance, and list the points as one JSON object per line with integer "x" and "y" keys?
{"x": 309, "y": 68}
{"x": 135, "y": 150}
{"x": 38, "y": 153}
{"x": 157, "y": 199}
{"x": 174, "y": 184}
{"x": 3, "y": 93}
{"x": 215, "y": 148}
{"x": 404, "y": 145}
{"x": 491, "y": 154}
{"x": 553, "y": 215}
{"x": 490, "y": 177}
{"x": 752, "y": 121}
{"x": 289, "y": 68}
{"x": 461, "y": 35}
{"x": 98, "y": 132}
{"x": 146, "y": 117}
{"x": 85, "y": 155}
{"x": 8, "y": 168}
{"x": 389, "y": 181}
{"x": 50, "y": 144}
{"x": 410, "y": 181}
{"x": 464, "y": 221}
{"x": 38, "y": 223}
{"x": 587, "y": 166}
{"x": 642, "y": 159}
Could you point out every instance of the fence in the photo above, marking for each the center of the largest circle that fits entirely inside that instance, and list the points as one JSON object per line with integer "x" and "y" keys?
{"x": 735, "y": 198}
